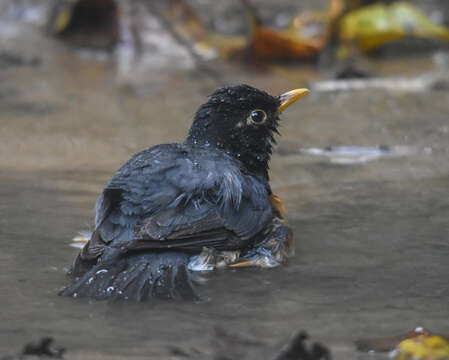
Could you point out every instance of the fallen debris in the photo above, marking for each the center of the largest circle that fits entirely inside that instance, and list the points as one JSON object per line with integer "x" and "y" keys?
{"x": 87, "y": 23}
{"x": 372, "y": 26}
{"x": 43, "y": 348}
{"x": 387, "y": 344}
{"x": 297, "y": 349}
{"x": 354, "y": 155}
{"x": 422, "y": 347}
{"x": 304, "y": 38}
{"x": 416, "y": 84}
{"x": 40, "y": 348}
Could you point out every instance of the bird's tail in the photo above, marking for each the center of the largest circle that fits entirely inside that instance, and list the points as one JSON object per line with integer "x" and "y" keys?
{"x": 138, "y": 277}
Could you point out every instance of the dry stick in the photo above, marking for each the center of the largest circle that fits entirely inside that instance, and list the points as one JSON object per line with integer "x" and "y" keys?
{"x": 415, "y": 84}
{"x": 201, "y": 67}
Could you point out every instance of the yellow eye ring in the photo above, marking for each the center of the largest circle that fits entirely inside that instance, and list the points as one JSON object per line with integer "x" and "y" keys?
{"x": 256, "y": 117}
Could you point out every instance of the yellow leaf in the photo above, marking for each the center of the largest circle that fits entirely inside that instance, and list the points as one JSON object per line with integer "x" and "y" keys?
{"x": 375, "y": 25}
{"x": 62, "y": 20}
{"x": 431, "y": 347}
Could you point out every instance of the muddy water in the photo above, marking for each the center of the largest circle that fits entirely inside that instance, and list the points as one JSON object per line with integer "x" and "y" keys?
{"x": 372, "y": 237}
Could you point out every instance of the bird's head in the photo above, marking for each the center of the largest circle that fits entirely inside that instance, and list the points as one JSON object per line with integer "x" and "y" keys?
{"x": 241, "y": 120}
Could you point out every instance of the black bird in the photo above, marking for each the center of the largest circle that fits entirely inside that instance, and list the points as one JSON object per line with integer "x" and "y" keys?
{"x": 193, "y": 205}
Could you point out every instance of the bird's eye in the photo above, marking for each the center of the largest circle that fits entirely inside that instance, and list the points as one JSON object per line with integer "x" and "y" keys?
{"x": 257, "y": 117}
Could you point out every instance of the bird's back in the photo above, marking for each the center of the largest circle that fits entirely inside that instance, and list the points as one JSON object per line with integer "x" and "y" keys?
{"x": 175, "y": 198}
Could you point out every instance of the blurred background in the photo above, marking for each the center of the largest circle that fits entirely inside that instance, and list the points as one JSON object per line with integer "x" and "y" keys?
{"x": 131, "y": 74}
{"x": 361, "y": 165}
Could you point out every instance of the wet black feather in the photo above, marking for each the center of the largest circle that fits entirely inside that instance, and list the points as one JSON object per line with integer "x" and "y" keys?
{"x": 211, "y": 190}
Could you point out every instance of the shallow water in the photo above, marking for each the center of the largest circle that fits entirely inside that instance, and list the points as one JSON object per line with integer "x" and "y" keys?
{"x": 372, "y": 238}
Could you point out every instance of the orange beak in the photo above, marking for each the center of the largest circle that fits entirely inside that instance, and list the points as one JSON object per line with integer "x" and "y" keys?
{"x": 290, "y": 97}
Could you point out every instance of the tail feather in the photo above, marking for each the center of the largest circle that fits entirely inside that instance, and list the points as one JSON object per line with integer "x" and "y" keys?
{"x": 183, "y": 283}
{"x": 138, "y": 278}
{"x": 143, "y": 286}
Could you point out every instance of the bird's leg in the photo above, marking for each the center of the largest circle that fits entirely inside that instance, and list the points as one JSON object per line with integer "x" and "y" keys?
{"x": 276, "y": 246}
{"x": 81, "y": 239}
{"x": 204, "y": 261}
{"x": 278, "y": 207}
{"x": 211, "y": 259}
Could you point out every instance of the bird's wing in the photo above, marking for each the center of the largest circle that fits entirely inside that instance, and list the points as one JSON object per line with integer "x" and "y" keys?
{"x": 171, "y": 196}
